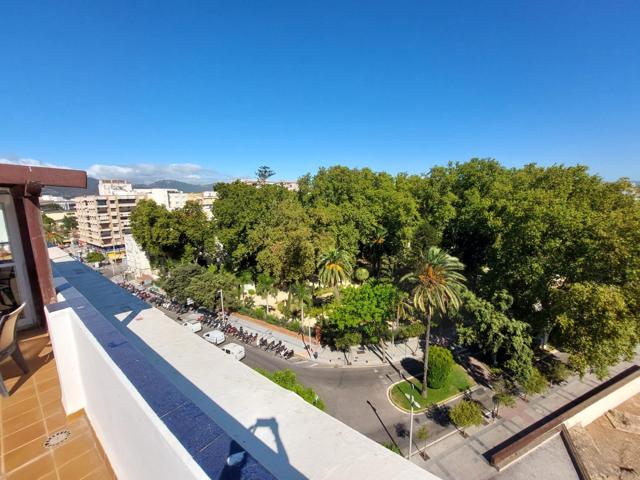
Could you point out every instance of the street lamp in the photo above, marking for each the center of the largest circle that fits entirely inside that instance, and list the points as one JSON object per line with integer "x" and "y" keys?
{"x": 222, "y": 303}
{"x": 411, "y": 424}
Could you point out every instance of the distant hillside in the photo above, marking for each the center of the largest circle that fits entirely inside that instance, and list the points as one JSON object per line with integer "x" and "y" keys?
{"x": 68, "y": 192}
{"x": 182, "y": 186}
{"x": 92, "y": 188}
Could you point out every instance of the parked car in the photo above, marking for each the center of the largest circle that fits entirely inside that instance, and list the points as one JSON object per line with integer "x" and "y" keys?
{"x": 235, "y": 350}
{"x": 193, "y": 325}
{"x": 214, "y": 336}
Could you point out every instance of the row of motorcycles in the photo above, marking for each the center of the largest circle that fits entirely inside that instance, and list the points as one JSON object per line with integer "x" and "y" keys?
{"x": 156, "y": 299}
{"x": 219, "y": 322}
{"x": 216, "y": 321}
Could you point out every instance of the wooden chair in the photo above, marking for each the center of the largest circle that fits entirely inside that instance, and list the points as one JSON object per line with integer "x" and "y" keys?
{"x": 9, "y": 344}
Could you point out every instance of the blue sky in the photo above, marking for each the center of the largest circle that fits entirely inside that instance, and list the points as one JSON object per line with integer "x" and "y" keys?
{"x": 197, "y": 90}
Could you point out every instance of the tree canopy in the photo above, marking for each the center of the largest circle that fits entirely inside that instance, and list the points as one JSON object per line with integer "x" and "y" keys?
{"x": 532, "y": 240}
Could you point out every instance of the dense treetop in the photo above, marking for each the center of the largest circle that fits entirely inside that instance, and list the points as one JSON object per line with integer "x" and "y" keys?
{"x": 550, "y": 240}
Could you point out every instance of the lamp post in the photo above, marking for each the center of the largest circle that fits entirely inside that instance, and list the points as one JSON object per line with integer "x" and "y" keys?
{"x": 222, "y": 303}
{"x": 411, "y": 424}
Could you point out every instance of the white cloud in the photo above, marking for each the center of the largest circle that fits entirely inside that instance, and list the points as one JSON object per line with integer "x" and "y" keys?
{"x": 26, "y": 162}
{"x": 137, "y": 172}
{"x": 148, "y": 172}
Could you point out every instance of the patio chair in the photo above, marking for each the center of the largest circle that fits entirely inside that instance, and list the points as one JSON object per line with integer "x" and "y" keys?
{"x": 9, "y": 344}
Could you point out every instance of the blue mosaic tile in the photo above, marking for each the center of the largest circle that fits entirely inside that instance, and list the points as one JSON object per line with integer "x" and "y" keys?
{"x": 192, "y": 427}
{"x": 200, "y": 435}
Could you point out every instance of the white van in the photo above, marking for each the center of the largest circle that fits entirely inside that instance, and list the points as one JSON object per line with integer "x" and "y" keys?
{"x": 235, "y": 350}
{"x": 193, "y": 325}
{"x": 214, "y": 336}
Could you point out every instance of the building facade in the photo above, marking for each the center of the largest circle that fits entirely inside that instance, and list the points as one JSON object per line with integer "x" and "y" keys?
{"x": 103, "y": 222}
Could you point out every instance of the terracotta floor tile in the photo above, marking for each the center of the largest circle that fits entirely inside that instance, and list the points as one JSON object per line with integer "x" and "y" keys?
{"x": 73, "y": 448}
{"x": 27, "y": 418}
{"x": 47, "y": 384}
{"x": 34, "y": 470}
{"x": 16, "y": 409}
{"x": 24, "y": 454}
{"x": 80, "y": 467}
{"x": 24, "y": 436}
{"x": 49, "y": 396}
{"x": 50, "y": 476}
{"x": 102, "y": 473}
{"x": 51, "y": 408}
{"x": 44, "y": 375}
{"x": 20, "y": 395}
{"x": 55, "y": 422}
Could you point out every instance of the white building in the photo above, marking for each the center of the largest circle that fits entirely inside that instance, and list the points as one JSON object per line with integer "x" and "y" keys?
{"x": 115, "y": 187}
{"x": 103, "y": 220}
{"x": 137, "y": 260}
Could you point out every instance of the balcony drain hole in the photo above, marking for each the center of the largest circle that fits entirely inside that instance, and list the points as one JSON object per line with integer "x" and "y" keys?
{"x": 57, "y": 438}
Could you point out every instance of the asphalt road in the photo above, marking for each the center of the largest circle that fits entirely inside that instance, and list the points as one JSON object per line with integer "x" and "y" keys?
{"x": 356, "y": 396}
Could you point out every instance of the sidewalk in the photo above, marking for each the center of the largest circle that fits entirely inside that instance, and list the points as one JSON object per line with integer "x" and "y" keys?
{"x": 358, "y": 357}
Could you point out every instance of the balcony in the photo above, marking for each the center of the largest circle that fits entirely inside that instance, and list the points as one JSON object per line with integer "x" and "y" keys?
{"x": 164, "y": 403}
{"x": 34, "y": 412}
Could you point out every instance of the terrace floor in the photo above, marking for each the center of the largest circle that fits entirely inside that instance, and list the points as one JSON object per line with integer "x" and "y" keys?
{"x": 33, "y": 412}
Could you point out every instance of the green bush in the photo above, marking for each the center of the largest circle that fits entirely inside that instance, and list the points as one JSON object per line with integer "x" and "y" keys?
{"x": 465, "y": 414}
{"x": 556, "y": 371}
{"x": 534, "y": 384}
{"x": 393, "y": 447}
{"x": 288, "y": 380}
{"x": 440, "y": 365}
{"x": 361, "y": 274}
{"x": 94, "y": 257}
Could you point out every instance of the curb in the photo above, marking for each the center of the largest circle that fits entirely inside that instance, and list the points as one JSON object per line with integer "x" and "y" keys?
{"x": 439, "y": 404}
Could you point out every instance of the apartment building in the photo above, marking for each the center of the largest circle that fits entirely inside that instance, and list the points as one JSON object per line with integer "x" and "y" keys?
{"x": 103, "y": 221}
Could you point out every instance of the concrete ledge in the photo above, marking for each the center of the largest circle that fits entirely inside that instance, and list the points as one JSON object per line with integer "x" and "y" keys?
{"x": 581, "y": 410}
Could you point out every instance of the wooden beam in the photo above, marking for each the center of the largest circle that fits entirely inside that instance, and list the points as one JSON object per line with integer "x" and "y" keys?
{"x": 53, "y": 177}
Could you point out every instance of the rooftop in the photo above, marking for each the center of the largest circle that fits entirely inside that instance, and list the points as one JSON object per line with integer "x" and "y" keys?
{"x": 201, "y": 406}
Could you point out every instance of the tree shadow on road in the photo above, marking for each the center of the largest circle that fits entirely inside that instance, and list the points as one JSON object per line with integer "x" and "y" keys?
{"x": 439, "y": 414}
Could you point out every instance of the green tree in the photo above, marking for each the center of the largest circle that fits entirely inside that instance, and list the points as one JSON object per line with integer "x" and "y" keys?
{"x": 51, "y": 232}
{"x": 69, "y": 223}
{"x": 504, "y": 340}
{"x": 300, "y": 291}
{"x": 178, "y": 279}
{"x": 436, "y": 287}
{"x": 335, "y": 268}
{"x": 503, "y": 395}
{"x": 534, "y": 384}
{"x": 440, "y": 366}
{"x": 465, "y": 414}
{"x": 94, "y": 257}
{"x": 422, "y": 434}
{"x": 366, "y": 310}
{"x": 204, "y": 288}
{"x": 598, "y": 330}
{"x": 345, "y": 340}
{"x": 266, "y": 287}
{"x": 264, "y": 173}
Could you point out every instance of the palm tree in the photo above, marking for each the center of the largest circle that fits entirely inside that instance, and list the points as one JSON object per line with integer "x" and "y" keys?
{"x": 266, "y": 286}
{"x": 336, "y": 267}
{"x": 51, "y": 232}
{"x": 437, "y": 284}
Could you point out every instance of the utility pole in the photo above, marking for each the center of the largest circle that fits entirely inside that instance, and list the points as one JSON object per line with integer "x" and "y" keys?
{"x": 222, "y": 303}
{"x": 411, "y": 424}
{"x": 302, "y": 318}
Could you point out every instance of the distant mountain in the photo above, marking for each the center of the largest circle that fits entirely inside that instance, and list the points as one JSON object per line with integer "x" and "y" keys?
{"x": 92, "y": 188}
{"x": 175, "y": 184}
{"x": 69, "y": 192}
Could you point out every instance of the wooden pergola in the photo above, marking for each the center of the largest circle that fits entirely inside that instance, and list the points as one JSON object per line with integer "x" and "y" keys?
{"x": 26, "y": 185}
